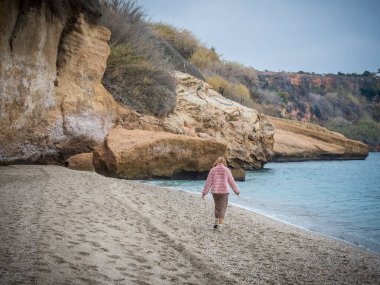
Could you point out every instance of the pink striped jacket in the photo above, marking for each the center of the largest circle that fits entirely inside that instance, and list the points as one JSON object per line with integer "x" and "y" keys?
{"x": 218, "y": 179}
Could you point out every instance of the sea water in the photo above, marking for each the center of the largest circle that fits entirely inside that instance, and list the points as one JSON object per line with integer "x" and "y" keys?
{"x": 340, "y": 199}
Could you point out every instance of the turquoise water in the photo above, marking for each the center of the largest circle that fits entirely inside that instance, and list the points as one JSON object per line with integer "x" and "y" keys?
{"x": 340, "y": 199}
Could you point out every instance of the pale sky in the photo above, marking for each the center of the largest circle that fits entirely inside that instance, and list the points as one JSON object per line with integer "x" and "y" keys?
{"x": 320, "y": 36}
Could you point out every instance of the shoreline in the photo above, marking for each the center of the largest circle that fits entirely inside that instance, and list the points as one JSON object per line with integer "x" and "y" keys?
{"x": 261, "y": 213}
{"x": 360, "y": 247}
{"x": 268, "y": 215}
{"x": 64, "y": 226}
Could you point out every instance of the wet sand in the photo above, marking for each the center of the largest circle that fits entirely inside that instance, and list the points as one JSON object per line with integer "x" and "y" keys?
{"x": 59, "y": 226}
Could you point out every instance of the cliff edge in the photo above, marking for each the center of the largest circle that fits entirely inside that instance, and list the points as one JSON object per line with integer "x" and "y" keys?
{"x": 299, "y": 141}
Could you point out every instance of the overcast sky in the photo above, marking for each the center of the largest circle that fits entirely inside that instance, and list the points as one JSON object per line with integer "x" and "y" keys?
{"x": 311, "y": 35}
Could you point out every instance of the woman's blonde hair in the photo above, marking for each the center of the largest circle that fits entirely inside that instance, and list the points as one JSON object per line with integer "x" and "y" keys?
{"x": 220, "y": 159}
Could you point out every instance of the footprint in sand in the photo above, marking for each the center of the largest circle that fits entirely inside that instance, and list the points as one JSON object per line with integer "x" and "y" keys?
{"x": 45, "y": 270}
{"x": 140, "y": 259}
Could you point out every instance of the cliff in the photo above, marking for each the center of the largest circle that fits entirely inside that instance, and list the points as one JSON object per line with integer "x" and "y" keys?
{"x": 299, "y": 141}
{"x": 346, "y": 103}
{"x": 53, "y": 105}
{"x": 52, "y": 102}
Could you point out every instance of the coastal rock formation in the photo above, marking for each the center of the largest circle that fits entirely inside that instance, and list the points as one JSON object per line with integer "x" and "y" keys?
{"x": 53, "y": 105}
{"x": 82, "y": 161}
{"x": 52, "y": 102}
{"x": 203, "y": 112}
{"x": 296, "y": 141}
{"x": 139, "y": 154}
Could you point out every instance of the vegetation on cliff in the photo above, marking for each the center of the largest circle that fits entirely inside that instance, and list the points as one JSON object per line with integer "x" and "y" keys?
{"x": 346, "y": 103}
{"x": 143, "y": 54}
{"x": 137, "y": 73}
{"x": 139, "y": 66}
{"x": 63, "y": 9}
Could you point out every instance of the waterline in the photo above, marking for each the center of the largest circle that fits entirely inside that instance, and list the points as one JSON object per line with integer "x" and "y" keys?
{"x": 340, "y": 199}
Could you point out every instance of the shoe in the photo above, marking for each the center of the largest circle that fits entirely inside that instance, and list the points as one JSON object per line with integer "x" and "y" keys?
{"x": 215, "y": 227}
{"x": 219, "y": 228}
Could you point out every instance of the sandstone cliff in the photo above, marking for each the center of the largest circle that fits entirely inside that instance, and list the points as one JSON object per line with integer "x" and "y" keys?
{"x": 52, "y": 102}
{"x": 296, "y": 141}
{"x": 53, "y": 105}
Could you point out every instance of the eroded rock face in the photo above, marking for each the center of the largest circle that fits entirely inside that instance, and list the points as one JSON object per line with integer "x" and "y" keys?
{"x": 296, "y": 141}
{"x": 52, "y": 104}
{"x": 140, "y": 154}
{"x": 28, "y": 53}
{"x": 202, "y": 112}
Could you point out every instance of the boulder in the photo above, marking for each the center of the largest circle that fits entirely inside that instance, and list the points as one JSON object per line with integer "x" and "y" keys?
{"x": 298, "y": 141}
{"x": 83, "y": 161}
{"x": 140, "y": 154}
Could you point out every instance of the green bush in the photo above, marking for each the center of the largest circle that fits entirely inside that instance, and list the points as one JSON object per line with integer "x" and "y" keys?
{"x": 366, "y": 130}
{"x": 369, "y": 92}
{"x": 284, "y": 97}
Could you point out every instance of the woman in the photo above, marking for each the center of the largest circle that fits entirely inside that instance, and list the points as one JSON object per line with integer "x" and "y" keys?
{"x": 218, "y": 179}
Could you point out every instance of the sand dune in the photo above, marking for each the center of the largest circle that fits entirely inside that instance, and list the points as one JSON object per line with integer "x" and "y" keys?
{"x": 59, "y": 226}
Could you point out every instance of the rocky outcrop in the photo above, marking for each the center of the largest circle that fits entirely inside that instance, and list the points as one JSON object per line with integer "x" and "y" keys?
{"x": 140, "y": 154}
{"x": 53, "y": 105}
{"x": 296, "y": 141}
{"x": 202, "y": 112}
{"x": 82, "y": 161}
{"x": 52, "y": 102}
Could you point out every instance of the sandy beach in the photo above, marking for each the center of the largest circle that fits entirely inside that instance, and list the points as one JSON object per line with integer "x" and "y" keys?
{"x": 59, "y": 226}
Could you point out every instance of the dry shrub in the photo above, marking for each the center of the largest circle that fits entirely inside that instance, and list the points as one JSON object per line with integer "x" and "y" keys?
{"x": 220, "y": 84}
{"x": 176, "y": 61}
{"x": 183, "y": 41}
{"x": 204, "y": 58}
{"x": 241, "y": 92}
{"x": 64, "y": 9}
{"x": 236, "y": 72}
{"x": 137, "y": 72}
{"x": 136, "y": 82}
{"x": 236, "y": 92}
